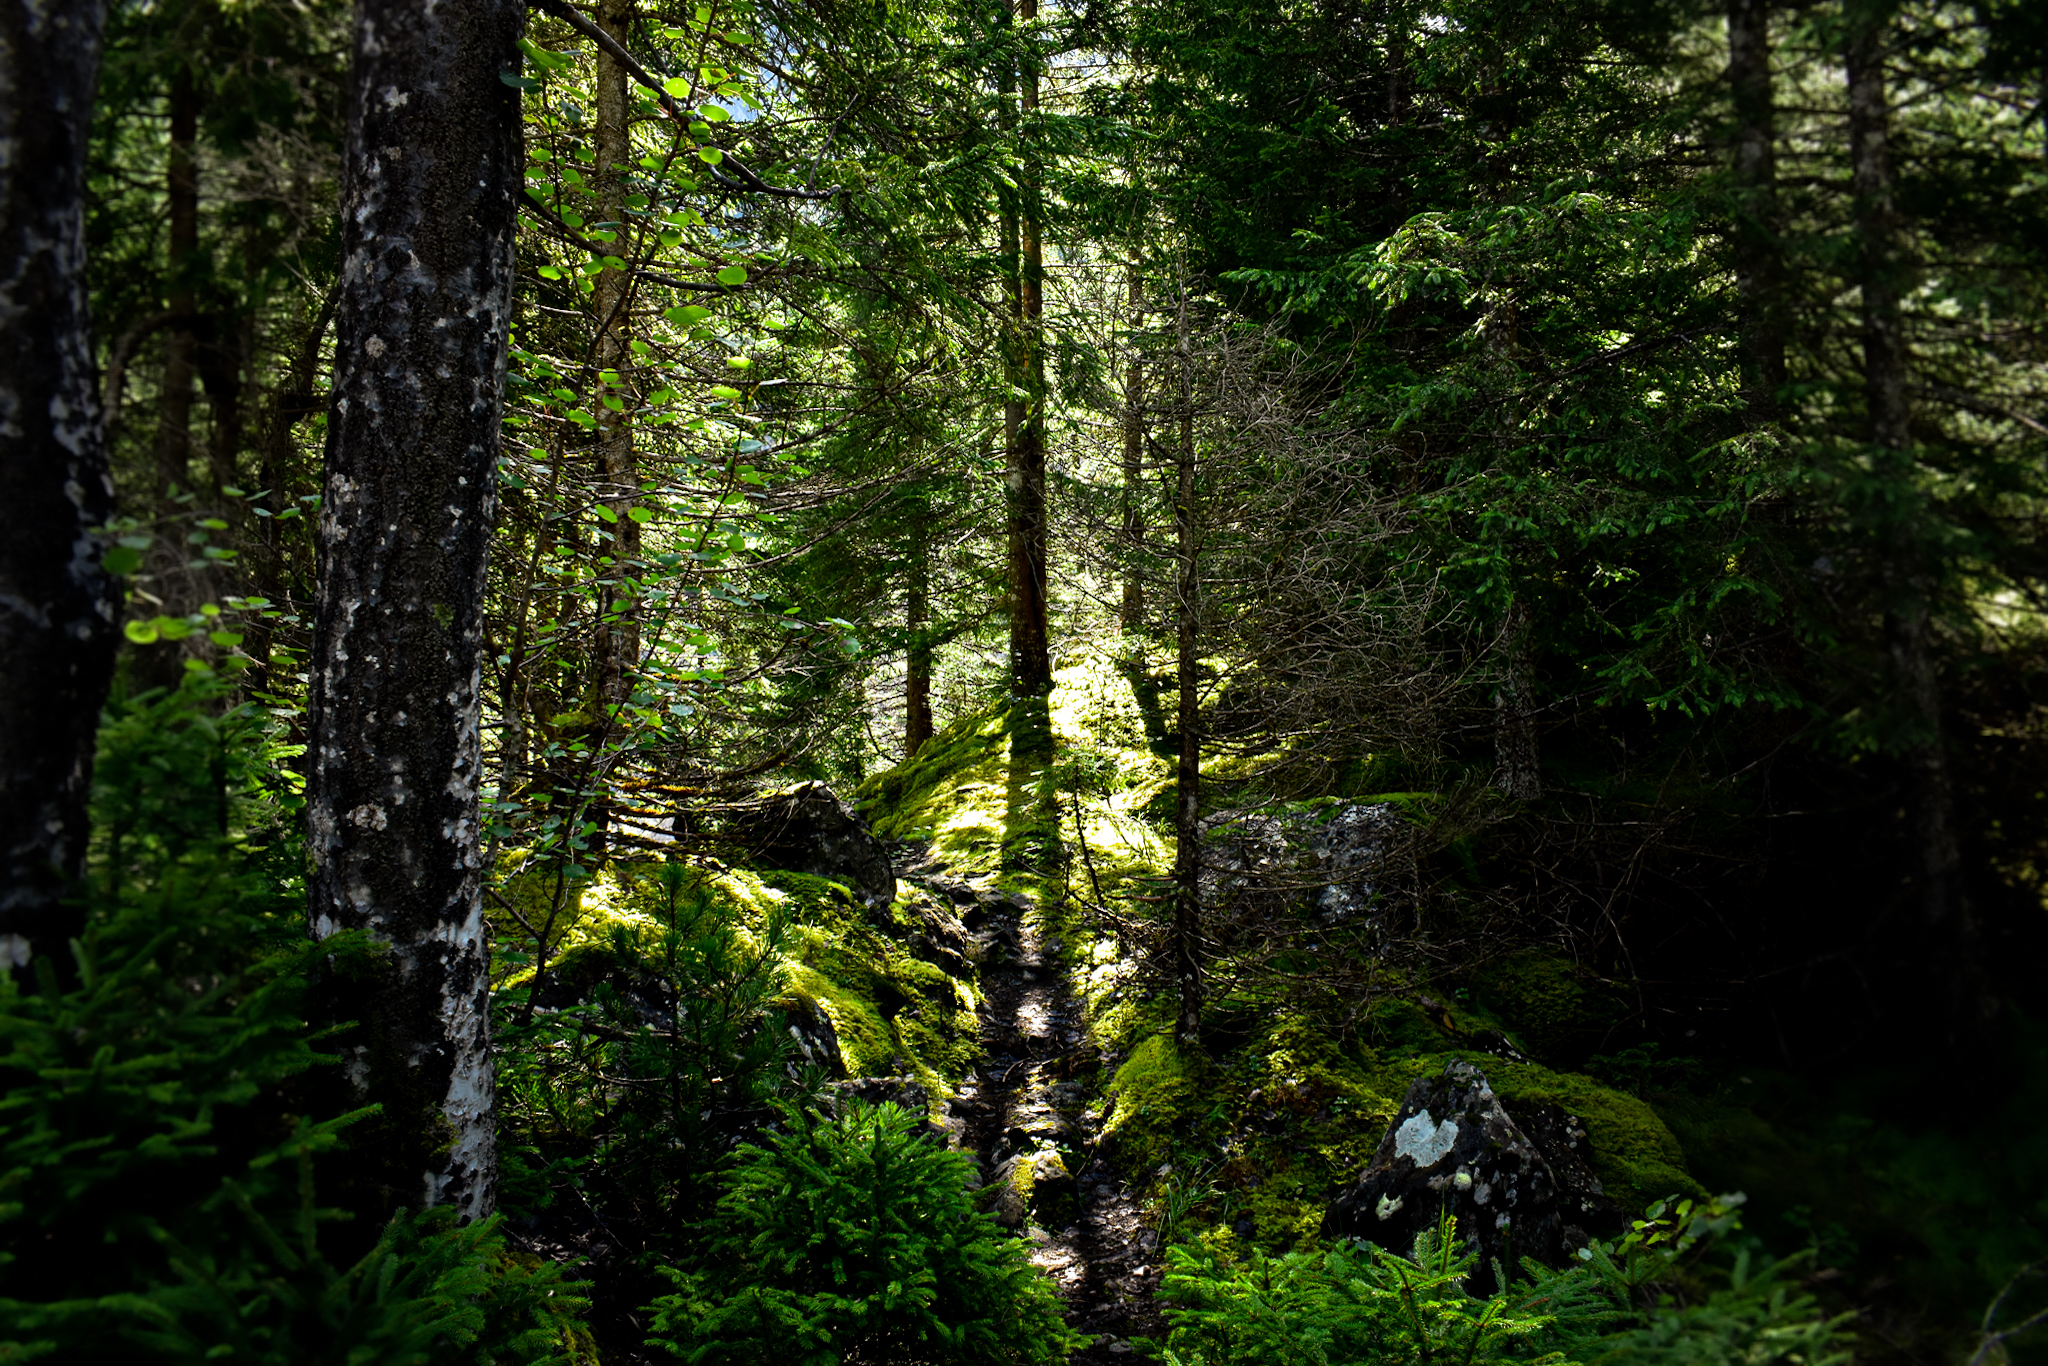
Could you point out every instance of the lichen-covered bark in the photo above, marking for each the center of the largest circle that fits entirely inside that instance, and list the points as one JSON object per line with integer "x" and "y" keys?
{"x": 421, "y": 334}
{"x": 56, "y": 603}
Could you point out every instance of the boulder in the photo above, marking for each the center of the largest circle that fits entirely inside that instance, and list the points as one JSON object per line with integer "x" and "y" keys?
{"x": 1034, "y": 1183}
{"x": 1326, "y": 866}
{"x": 817, "y": 1042}
{"x": 809, "y": 829}
{"x": 1454, "y": 1146}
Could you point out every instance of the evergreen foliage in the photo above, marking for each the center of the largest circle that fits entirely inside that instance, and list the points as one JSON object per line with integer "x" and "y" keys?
{"x": 159, "y": 1186}
{"x": 1647, "y": 1297}
{"x": 856, "y": 1240}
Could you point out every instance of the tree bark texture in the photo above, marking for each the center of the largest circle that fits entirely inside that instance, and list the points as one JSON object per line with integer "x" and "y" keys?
{"x": 1908, "y": 559}
{"x": 181, "y": 345}
{"x": 57, "y": 605}
{"x": 1518, "y": 768}
{"x": 421, "y": 334}
{"x": 1758, "y": 280}
{"x": 1187, "y": 808}
{"x": 1131, "y": 611}
{"x": 917, "y": 616}
{"x": 1024, "y": 417}
{"x": 618, "y": 631}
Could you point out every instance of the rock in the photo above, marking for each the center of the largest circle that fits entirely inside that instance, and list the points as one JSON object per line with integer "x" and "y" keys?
{"x": 809, "y": 829}
{"x": 907, "y": 1092}
{"x": 941, "y": 940}
{"x": 1034, "y": 1183}
{"x": 1327, "y": 868}
{"x": 817, "y": 1042}
{"x": 1453, "y": 1145}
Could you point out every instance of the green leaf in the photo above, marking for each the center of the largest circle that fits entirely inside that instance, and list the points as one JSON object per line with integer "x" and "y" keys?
{"x": 733, "y": 276}
{"x": 724, "y": 391}
{"x": 227, "y": 639}
{"x": 677, "y": 87}
{"x": 639, "y": 514}
{"x": 141, "y": 632}
{"x": 121, "y": 560}
{"x": 606, "y": 513}
{"x": 710, "y": 156}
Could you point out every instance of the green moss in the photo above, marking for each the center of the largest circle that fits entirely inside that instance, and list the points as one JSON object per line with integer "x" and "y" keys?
{"x": 1148, "y": 1095}
{"x": 1553, "y": 1009}
{"x": 1286, "y": 1217}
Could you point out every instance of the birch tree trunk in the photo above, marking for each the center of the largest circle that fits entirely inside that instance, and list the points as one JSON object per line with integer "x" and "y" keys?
{"x": 56, "y": 601}
{"x": 421, "y": 335}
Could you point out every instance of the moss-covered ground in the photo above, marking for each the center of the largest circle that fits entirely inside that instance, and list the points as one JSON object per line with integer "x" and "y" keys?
{"x": 893, "y": 1013}
{"x": 1248, "y": 1141}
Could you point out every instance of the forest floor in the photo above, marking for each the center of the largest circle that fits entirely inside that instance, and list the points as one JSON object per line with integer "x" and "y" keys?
{"x": 1023, "y": 1106}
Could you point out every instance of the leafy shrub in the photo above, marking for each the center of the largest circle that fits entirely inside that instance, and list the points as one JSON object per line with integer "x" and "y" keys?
{"x": 157, "y": 1196}
{"x": 856, "y": 1240}
{"x": 1645, "y": 1299}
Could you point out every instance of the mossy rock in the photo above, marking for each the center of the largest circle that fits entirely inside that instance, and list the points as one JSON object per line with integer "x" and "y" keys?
{"x": 1149, "y": 1097}
{"x": 1636, "y": 1156}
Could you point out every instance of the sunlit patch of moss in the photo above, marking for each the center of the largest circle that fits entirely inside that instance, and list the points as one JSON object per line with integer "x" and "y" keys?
{"x": 1285, "y": 1217}
{"x": 1148, "y": 1095}
{"x": 891, "y": 1011}
{"x": 951, "y": 793}
{"x": 865, "y": 1040}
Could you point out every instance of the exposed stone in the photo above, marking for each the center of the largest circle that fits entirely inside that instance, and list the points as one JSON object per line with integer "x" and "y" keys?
{"x": 817, "y": 1042}
{"x": 1328, "y": 867}
{"x": 809, "y": 829}
{"x": 941, "y": 940}
{"x": 1454, "y": 1146}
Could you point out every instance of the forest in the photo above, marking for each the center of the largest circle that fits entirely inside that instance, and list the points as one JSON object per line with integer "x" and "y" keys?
{"x": 991, "y": 682}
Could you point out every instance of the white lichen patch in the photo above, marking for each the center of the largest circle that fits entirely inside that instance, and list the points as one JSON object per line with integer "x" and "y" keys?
{"x": 1423, "y": 1141}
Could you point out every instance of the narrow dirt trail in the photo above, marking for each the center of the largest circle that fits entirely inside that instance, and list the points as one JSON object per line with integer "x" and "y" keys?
{"x": 1023, "y": 1103}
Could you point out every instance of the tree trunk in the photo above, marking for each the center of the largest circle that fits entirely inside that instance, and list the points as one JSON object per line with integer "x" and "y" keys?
{"x": 1187, "y": 860}
{"x": 618, "y": 630}
{"x": 1909, "y": 572}
{"x": 1517, "y": 770}
{"x": 181, "y": 348}
{"x": 421, "y": 331}
{"x": 1758, "y": 279}
{"x": 57, "y": 605}
{"x": 1131, "y": 612}
{"x": 917, "y": 613}
{"x": 1024, "y": 420}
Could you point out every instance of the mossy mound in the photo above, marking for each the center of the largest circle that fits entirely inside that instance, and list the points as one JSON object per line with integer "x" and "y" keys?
{"x": 1148, "y": 1097}
{"x": 892, "y": 1012}
{"x": 1554, "y": 1010}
